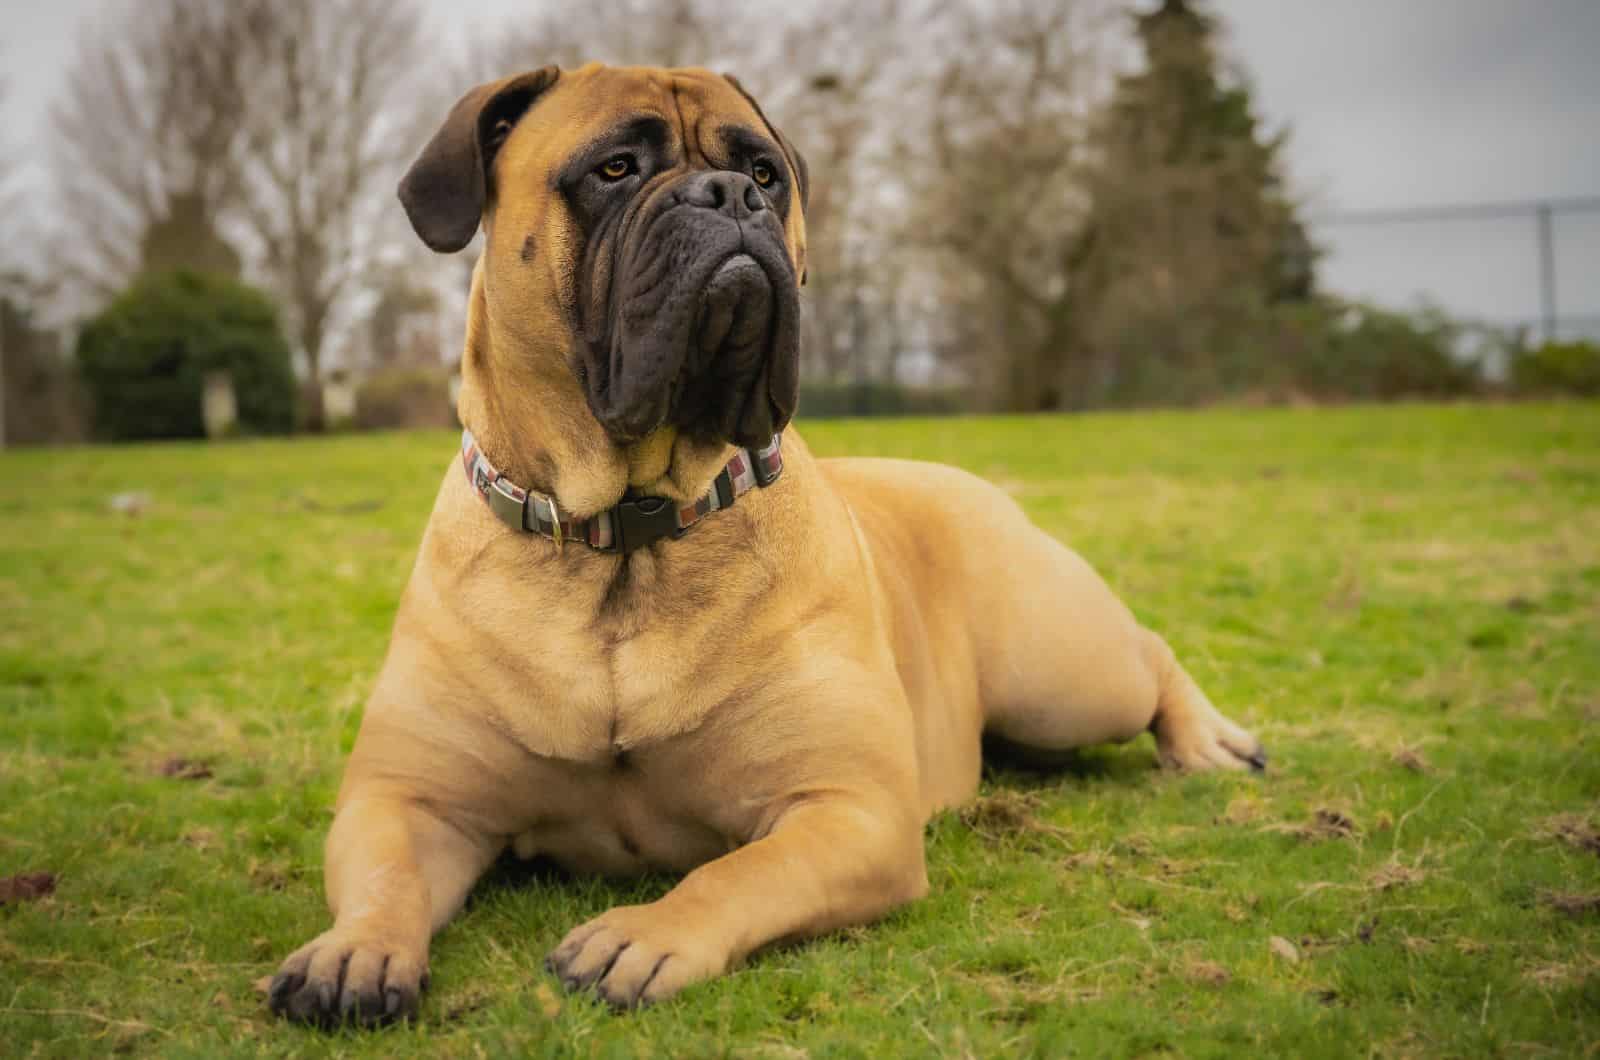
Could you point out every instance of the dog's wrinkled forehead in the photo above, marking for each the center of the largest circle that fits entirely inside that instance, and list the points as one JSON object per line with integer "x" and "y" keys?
{"x": 515, "y": 134}
{"x": 693, "y": 114}
{"x": 696, "y": 118}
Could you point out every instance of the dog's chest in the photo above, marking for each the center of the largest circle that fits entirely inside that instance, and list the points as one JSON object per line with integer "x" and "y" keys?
{"x": 632, "y": 815}
{"x": 621, "y": 746}
{"x": 578, "y": 700}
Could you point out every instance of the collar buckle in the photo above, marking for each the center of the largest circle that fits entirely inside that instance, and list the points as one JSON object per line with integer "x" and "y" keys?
{"x": 643, "y": 521}
{"x": 506, "y": 502}
{"x": 555, "y": 522}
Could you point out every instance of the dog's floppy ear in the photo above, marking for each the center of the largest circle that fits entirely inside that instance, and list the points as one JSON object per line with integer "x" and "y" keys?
{"x": 796, "y": 160}
{"x": 446, "y": 188}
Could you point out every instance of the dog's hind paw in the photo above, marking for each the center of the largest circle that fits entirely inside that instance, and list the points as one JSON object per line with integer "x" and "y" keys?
{"x": 1201, "y": 738}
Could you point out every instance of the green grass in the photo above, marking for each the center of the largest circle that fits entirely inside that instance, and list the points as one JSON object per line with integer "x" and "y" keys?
{"x": 1403, "y": 602}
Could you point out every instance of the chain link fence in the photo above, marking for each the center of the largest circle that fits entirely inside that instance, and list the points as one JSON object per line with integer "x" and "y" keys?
{"x": 1529, "y": 268}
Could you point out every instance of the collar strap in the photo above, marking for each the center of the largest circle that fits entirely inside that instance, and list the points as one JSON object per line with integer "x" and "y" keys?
{"x": 628, "y": 525}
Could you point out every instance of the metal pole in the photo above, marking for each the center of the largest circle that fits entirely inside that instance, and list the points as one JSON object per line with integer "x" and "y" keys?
{"x": 4, "y": 307}
{"x": 1547, "y": 272}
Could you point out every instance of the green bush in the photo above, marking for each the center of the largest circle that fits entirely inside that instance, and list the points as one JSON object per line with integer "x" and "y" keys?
{"x": 144, "y": 359}
{"x": 1372, "y": 353}
{"x": 1332, "y": 350}
{"x": 1558, "y": 368}
{"x": 405, "y": 398}
{"x": 1320, "y": 349}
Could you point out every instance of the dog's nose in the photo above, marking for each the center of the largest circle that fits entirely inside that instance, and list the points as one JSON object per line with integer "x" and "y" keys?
{"x": 731, "y": 193}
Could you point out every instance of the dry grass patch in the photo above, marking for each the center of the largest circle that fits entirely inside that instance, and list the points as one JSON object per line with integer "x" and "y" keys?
{"x": 1576, "y": 830}
{"x": 1574, "y": 905}
{"x": 1410, "y": 758}
{"x": 1006, "y": 814}
{"x": 1209, "y": 973}
{"x": 1325, "y": 824}
{"x": 1392, "y": 874}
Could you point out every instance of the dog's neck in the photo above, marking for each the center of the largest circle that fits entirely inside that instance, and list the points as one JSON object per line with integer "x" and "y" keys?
{"x": 529, "y": 415}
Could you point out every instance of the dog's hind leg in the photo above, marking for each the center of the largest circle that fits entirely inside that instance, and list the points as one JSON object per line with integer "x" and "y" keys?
{"x": 1190, "y": 733}
{"x": 1064, "y": 664}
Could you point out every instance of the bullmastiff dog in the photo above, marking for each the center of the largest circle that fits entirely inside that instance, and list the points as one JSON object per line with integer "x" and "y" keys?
{"x": 646, "y": 629}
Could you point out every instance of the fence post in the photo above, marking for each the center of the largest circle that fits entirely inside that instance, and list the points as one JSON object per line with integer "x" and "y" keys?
{"x": 218, "y": 407}
{"x": 2, "y": 377}
{"x": 1547, "y": 272}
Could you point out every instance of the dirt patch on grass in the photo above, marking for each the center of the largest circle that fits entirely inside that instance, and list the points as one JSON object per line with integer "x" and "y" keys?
{"x": 1325, "y": 824}
{"x": 1088, "y": 859}
{"x": 270, "y": 875}
{"x": 27, "y": 887}
{"x": 1209, "y": 973}
{"x": 200, "y": 838}
{"x": 1574, "y": 905}
{"x": 1393, "y": 874}
{"x": 178, "y": 767}
{"x": 1019, "y": 996}
{"x": 1547, "y": 974}
{"x": 1573, "y": 829}
{"x": 1410, "y": 758}
{"x": 1007, "y": 815}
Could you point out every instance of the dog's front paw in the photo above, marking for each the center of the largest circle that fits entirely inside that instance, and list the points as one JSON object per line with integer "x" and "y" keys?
{"x": 337, "y": 978}
{"x": 634, "y": 955}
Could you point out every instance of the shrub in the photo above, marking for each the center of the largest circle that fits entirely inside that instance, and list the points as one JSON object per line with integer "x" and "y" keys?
{"x": 404, "y": 397}
{"x": 1340, "y": 351}
{"x": 1558, "y": 368}
{"x": 1372, "y": 353}
{"x": 1318, "y": 349}
{"x": 146, "y": 356}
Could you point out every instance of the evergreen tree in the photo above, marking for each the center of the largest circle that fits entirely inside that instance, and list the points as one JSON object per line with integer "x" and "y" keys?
{"x": 1191, "y": 229}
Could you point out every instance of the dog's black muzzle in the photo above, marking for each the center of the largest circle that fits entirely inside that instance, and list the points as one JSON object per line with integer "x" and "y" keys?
{"x": 703, "y": 322}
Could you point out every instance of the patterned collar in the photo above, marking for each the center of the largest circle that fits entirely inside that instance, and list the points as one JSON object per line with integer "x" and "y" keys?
{"x": 634, "y": 522}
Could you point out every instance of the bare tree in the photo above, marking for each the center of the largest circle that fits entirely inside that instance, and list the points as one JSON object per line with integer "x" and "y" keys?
{"x": 198, "y": 132}
{"x": 620, "y": 32}
{"x": 145, "y": 138}
{"x": 842, "y": 108}
{"x": 999, "y": 199}
{"x": 324, "y": 140}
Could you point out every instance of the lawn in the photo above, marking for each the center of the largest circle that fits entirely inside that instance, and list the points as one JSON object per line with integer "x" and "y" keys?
{"x": 1404, "y": 603}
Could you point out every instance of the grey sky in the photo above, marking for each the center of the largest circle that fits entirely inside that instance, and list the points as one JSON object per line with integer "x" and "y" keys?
{"x": 1391, "y": 103}
{"x": 1398, "y": 103}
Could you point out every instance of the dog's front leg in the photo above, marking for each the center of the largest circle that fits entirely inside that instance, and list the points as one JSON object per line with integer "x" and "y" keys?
{"x": 395, "y": 874}
{"x": 828, "y": 862}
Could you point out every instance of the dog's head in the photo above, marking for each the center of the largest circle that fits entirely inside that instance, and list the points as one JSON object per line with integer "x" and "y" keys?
{"x": 653, "y": 219}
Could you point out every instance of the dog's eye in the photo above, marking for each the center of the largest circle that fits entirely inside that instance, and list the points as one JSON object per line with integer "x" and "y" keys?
{"x": 763, "y": 174}
{"x": 616, "y": 168}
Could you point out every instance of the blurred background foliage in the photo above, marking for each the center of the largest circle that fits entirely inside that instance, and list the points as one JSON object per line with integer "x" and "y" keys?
{"x": 145, "y": 358}
{"x": 1025, "y": 205}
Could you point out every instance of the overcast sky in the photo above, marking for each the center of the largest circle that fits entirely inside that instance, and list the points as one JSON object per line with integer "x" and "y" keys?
{"x": 1391, "y": 103}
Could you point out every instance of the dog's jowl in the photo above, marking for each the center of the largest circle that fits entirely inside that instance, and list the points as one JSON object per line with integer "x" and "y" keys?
{"x": 646, "y": 628}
